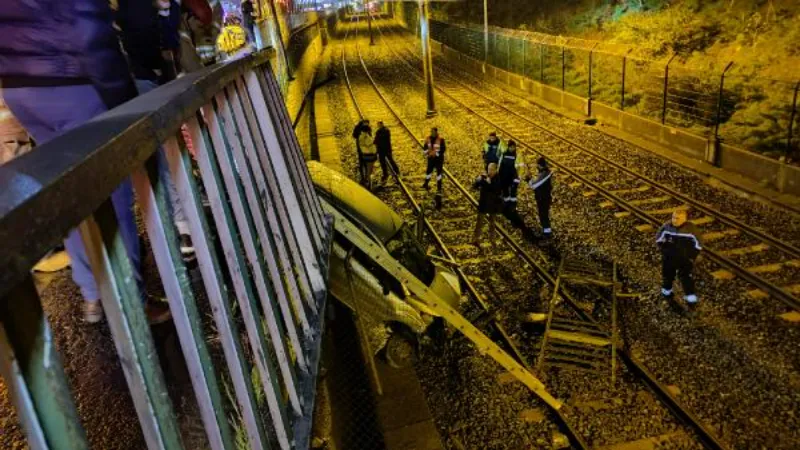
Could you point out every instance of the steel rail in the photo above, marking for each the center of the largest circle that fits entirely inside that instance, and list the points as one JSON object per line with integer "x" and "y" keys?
{"x": 687, "y": 417}
{"x": 767, "y": 286}
{"x": 473, "y": 292}
{"x": 565, "y": 425}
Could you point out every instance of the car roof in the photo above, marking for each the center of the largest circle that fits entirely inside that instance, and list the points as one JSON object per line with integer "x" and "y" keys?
{"x": 356, "y": 201}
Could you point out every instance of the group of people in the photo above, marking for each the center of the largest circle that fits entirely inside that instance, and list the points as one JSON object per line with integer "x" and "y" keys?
{"x": 63, "y": 63}
{"x": 374, "y": 148}
{"x": 499, "y": 183}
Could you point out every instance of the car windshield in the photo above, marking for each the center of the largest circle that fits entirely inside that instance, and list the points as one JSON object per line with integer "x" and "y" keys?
{"x": 406, "y": 248}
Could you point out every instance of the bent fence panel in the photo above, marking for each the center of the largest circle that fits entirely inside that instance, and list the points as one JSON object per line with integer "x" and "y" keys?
{"x": 261, "y": 245}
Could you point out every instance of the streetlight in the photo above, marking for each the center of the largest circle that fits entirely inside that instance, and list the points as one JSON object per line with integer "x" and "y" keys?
{"x": 427, "y": 58}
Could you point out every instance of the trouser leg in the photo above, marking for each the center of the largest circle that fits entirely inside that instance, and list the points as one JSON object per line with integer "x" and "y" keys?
{"x": 382, "y": 157}
{"x": 392, "y": 162}
{"x": 685, "y": 269}
{"x": 429, "y": 171}
{"x": 478, "y": 228}
{"x": 492, "y": 227}
{"x": 439, "y": 172}
{"x": 668, "y": 272}
{"x": 47, "y": 112}
{"x": 543, "y": 207}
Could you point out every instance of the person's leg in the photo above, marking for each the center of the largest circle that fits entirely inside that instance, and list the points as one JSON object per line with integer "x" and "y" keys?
{"x": 685, "y": 269}
{"x": 47, "y": 112}
{"x": 476, "y": 235}
{"x": 492, "y": 227}
{"x": 439, "y": 172}
{"x": 668, "y": 271}
{"x": 392, "y": 162}
{"x": 384, "y": 166}
{"x": 429, "y": 172}
{"x": 544, "y": 215}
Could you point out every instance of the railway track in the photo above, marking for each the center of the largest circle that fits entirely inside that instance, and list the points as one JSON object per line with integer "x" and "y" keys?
{"x": 770, "y": 264}
{"x": 450, "y": 229}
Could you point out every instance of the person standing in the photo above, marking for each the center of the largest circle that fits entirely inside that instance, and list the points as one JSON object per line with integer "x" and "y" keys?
{"x": 542, "y": 187}
{"x": 368, "y": 155}
{"x": 508, "y": 178}
{"x": 434, "y": 149}
{"x": 679, "y": 244}
{"x": 248, "y": 21}
{"x": 361, "y": 126}
{"x": 492, "y": 150}
{"x": 489, "y": 202}
{"x": 72, "y": 71}
{"x": 383, "y": 144}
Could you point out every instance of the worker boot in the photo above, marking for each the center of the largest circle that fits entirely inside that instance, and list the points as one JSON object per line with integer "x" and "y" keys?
{"x": 425, "y": 184}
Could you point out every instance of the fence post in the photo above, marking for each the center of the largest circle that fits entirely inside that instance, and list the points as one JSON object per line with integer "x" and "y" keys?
{"x": 713, "y": 147}
{"x": 591, "y": 61}
{"x": 541, "y": 62}
{"x": 563, "y": 68}
{"x": 508, "y": 55}
{"x": 666, "y": 89}
{"x": 791, "y": 121}
{"x": 524, "y": 49}
{"x": 624, "y": 71}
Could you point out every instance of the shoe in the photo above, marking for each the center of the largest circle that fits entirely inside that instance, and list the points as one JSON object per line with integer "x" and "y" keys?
{"x": 92, "y": 311}
{"x": 187, "y": 247}
{"x": 157, "y": 312}
{"x": 666, "y": 293}
{"x": 425, "y": 185}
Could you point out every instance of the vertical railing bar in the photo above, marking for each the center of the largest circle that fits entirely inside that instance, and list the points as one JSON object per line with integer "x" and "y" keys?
{"x": 11, "y": 373}
{"x": 27, "y": 348}
{"x": 304, "y": 224}
{"x": 228, "y": 172}
{"x": 306, "y": 188}
{"x": 258, "y": 157}
{"x": 237, "y": 267}
{"x": 264, "y": 214}
{"x": 259, "y": 100}
{"x": 180, "y": 168}
{"x": 122, "y": 305}
{"x": 153, "y": 202}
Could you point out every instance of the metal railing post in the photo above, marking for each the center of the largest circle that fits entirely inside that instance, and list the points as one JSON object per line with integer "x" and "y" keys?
{"x": 32, "y": 370}
{"x": 563, "y": 68}
{"x": 791, "y": 120}
{"x": 153, "y": 202}
{"x": 541, "y": 62}
{"x": 524, "y": 56}
{"x": 591, "y": 73}
{"x": 719, "y": 100}
{"x": 508, "y": 55}
{"x": 666, "y": 89}
{"x": 485, "y": 32}
{"x": 624, "y": 72}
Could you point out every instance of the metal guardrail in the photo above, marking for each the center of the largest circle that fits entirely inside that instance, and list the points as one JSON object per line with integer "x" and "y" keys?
{"x": 271, "y": 275}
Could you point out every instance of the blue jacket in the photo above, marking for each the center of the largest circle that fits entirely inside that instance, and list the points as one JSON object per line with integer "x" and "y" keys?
{"x": 63, "y": 42}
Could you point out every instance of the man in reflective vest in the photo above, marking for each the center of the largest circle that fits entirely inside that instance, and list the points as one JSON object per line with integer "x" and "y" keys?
{"x": 434, "y": 149}
{"x": 508, "y": 178}
{"x": 542, "y": 187}
{"x": 679, "y": 244}
{"x": 492, "y": 150}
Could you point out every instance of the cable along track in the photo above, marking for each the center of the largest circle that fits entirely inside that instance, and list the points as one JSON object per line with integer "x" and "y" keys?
{"x": 699, "y": 430}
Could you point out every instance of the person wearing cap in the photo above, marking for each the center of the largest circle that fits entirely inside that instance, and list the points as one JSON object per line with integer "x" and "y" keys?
{"x": 492, "y": 150}
{"x": 679, "y": 244}
{"x": 383, "y": 143}
{"x": 542, "y": 186}
{"x": 433, "y": 150}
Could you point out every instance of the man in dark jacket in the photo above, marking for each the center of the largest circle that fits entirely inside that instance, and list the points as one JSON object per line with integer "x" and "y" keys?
{"x": 434, "y": 149}
{"x": 492, "y": 149}
{"x": 679, "y": 244}
{"x": 508, "y": 178}
{"x": 61, "y": 65}
{"x": 542, "y": 187}
{"x": 489, "y": 202}
{"x": 383, "y": 143}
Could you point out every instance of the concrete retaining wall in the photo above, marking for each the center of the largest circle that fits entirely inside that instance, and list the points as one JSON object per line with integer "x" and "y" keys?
{"x": 765, "y": 171}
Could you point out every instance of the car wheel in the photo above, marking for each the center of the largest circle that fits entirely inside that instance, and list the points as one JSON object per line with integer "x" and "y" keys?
{"x": 399, "y": 351}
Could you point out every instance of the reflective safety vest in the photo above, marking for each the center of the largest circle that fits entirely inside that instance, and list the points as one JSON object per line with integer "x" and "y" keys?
{"x": 433, "y": 150}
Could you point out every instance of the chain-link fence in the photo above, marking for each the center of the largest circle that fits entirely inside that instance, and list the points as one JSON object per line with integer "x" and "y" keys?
{"x": 756, "y": 113}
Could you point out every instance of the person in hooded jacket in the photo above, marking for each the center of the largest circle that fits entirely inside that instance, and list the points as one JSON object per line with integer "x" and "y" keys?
{"x": 542, "y": 186}
{"x": 361, "y": 126}
{"x": 433, "y": 149}
{"x": 60, "y": 66}
{"x": 679, "y": 243}
{"x": 369, "y": 155}
{"x": 490, "y": 202}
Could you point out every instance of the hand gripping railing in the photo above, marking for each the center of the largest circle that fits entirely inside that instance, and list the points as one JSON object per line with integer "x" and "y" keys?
{"x": 272, "y": 270}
